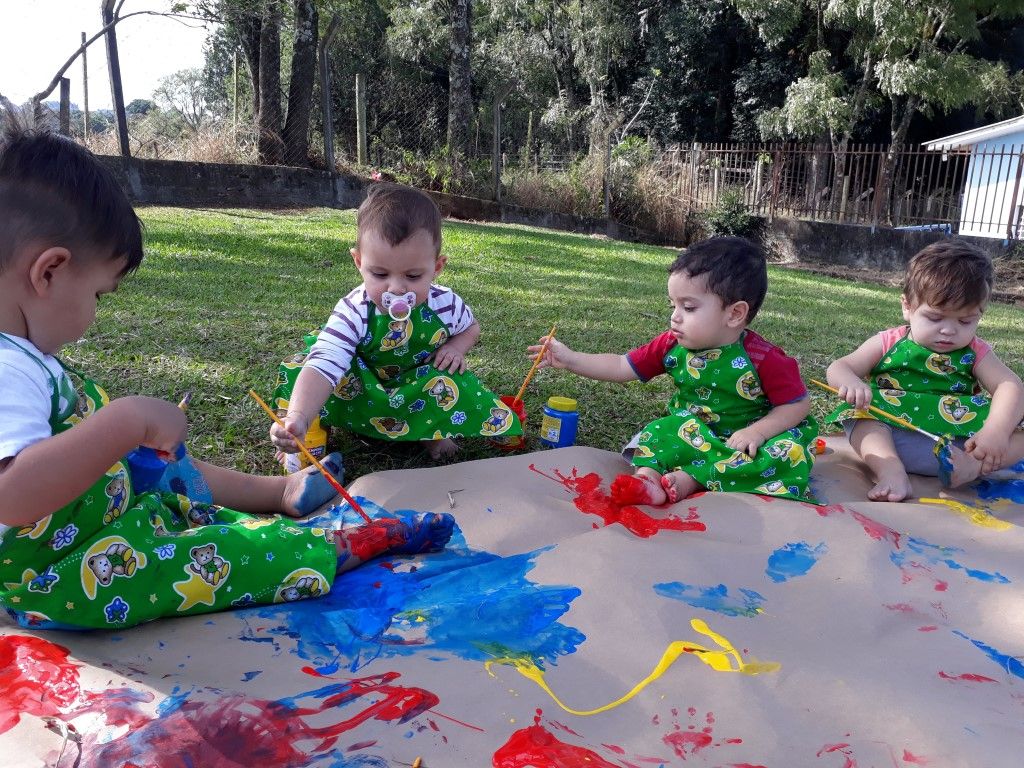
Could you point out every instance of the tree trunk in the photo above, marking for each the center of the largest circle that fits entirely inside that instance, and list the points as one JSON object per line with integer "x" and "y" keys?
{"x": 249, "y": 26}
{"x": 460, "y": 97}
{"x": 300, "y": 89}
{"x": 899, "y": 126}
{"x": 270, "y": 148}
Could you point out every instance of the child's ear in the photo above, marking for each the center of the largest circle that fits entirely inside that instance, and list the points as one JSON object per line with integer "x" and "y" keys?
{"x": 907, "y": 309}
{"x": 736, "y": 314}
{"x": 439, "y": 264}
{"x": 45, "y": 267}
{"x": 356, "y": 257}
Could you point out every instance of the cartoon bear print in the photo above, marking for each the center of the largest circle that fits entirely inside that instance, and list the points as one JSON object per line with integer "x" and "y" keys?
{"x": 117, "y": 560}
{"x": 210, "y": 566}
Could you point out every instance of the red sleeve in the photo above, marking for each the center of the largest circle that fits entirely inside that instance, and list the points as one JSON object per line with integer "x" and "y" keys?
{"x": 648, "y": 361}
{"x": 779, "y": 373}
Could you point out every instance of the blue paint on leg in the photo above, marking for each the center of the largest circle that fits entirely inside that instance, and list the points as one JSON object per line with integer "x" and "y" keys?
{"x": 316, "y": 490}
{"x": 427, "y": 532}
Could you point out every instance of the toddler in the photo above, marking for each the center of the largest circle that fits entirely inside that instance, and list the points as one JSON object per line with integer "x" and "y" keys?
{"x": 391, "y": 360}
{"x": 933, "y": 372}
{"x": 78, "y": 547}
{"x": 739, "y": 418}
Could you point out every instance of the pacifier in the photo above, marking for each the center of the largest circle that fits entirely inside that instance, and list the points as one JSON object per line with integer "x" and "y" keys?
{"x": 398, "y": 307}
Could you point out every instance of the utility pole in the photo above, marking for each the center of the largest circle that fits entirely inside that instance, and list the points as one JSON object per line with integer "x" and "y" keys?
{"x": 114, "y": 65}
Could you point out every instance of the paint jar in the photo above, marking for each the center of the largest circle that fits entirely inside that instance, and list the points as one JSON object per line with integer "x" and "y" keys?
{"x": 559, "y": 423}
{"x": 316, "y": 443}
{"x": 818, "y": 446}
{"x": 146, "y": 467}
{"x": 515, "y": 442}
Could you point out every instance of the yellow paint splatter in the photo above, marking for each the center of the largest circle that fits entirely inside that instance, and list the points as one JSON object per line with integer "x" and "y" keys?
{"x": 979, "y": 516}
{"x": 728, "y": 659}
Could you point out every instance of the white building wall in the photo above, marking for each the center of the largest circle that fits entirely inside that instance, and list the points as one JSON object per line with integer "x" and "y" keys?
{"x": 988, "y": 191}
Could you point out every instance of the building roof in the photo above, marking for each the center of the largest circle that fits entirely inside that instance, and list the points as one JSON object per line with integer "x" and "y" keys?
{"x": 978, "y": 135}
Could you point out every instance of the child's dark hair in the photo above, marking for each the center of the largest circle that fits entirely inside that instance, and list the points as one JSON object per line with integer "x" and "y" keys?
{"x": 951, "y": 274}
{"x": 734, "y": 267}
{"x": 56, "y": 192}
{"x": 397, "y": 212}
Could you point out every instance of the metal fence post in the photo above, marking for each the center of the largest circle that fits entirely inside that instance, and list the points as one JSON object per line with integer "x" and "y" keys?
{"x": 325, "y": 92}
{"x": 361, "y": 153}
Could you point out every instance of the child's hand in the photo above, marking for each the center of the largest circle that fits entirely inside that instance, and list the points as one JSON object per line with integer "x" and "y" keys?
{"x": 296, "y": 424}
{"x": 989, "y": 448}
{"x": 555, "y": 356}
{"x": 449, "y": 357}
{"x": 747, "y": 440}
{"x": 857, "y": 393}
{"x": 164, "y": 425}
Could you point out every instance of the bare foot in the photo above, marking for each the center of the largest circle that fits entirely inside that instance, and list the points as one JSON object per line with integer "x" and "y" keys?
{"x": 892, "y": 485}
{"x": 307, "y": 490}
{"x": 678, "y": 485}
{"x": 441, "y": 449}
{"x": 966, "y": 468}
{"x": 637, "y": 489}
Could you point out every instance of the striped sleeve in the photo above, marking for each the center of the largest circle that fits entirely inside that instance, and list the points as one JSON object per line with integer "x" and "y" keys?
{"x": 331, "y": 355}
{"x": 451, "y": 309}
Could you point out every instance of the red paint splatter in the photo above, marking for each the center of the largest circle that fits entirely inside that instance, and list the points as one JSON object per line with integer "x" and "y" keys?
{"x": 844, "y": 749}
{"x": 360, "y": 745}
{"x": 874, "y": 529}
{"x": 929, "y": 628}
{"x": 537, "y": 747}
{"x": 691, "y": 741}
{"x": 630, "y": 489}
{"x": 36, "y": 678}
{"x": 908, "y": 757}
{"x": 614, "y": 748}
{"x": 902, "y": 607}
{"x": 968, "y": 676}
{"x": 747, "y": 765}
{"x": 591, "y": 500}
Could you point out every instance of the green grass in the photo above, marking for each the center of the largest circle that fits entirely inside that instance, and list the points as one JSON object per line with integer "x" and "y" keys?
{"x": 223, "y": 295}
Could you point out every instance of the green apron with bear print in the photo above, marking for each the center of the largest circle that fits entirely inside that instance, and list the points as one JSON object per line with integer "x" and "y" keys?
{"x": 393, "y": 391}
{"x": 111, "y": 560}
{"x": 718, "y": 393}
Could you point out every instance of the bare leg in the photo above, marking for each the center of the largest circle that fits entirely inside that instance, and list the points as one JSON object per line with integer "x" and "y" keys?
{"x": 425, "y": 532}
{"x": 294, "y": 495}
{"x": 873, "y": 443}
{"x": 441, "y": 449}
{"x": 678, "y": 485}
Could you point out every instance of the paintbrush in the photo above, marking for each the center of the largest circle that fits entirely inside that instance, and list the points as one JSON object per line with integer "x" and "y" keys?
{"x": 885, "y": 414}
{"x": 536, "y": 364}
{"x": 312, "y": 459}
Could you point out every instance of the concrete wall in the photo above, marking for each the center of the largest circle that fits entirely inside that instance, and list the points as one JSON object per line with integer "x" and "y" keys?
{"x": 170, "y": 182}
{"x": 856, "y": 246}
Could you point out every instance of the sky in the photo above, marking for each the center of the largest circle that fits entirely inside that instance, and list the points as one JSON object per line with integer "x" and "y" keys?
{"x": 38, "y": 36}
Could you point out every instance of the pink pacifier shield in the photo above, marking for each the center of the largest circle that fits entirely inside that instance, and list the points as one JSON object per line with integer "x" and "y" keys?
{"x": 399, "y": 307}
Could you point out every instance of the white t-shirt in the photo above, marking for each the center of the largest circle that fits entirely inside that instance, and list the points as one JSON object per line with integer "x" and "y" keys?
{"x": 25, "y": 396}
{"x": 332, "y": 354}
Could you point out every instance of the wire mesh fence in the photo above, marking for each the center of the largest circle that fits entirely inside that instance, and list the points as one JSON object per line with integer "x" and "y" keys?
{"x": 393, "y": 123}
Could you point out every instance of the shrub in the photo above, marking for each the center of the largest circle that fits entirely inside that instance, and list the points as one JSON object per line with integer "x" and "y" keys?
{"x": 729, "y": 216}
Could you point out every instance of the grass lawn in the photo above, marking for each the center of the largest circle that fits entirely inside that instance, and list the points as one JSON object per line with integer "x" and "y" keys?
{"x": 223, "y": 295}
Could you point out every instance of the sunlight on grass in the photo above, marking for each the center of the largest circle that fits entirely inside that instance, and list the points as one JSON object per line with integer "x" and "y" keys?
{"x": 223, "y": 295}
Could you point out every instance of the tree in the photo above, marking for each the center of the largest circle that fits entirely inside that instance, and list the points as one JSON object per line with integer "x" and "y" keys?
{"x": 139, "y": 107}
{"x": 460, "y": 96}
{"x": 183, "y": 92}
{"x": 300, "y": 83}
{"x": 911, "y": 55}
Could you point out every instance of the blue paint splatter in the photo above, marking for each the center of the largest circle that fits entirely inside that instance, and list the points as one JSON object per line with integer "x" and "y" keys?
{"x": 718, "y": 599}
{"x": 468, "y": 604}
{"x": 246, "y": 677}
{"x": 794, "y": 559}
{"x": 934, "y": 554}
{"x": 172, "y": 703}
{"x": 1011, "y": 490}
{"x": 1010, "y": 664}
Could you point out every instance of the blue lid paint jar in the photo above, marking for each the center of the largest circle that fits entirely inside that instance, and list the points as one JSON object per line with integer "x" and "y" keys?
{"x": 147, "y": 467}
{"x": 559, "y": 423}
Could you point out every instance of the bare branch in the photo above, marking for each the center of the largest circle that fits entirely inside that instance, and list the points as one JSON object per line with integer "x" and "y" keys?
{"x": 647, "y": 98}
{"x": 81, "y": 49}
